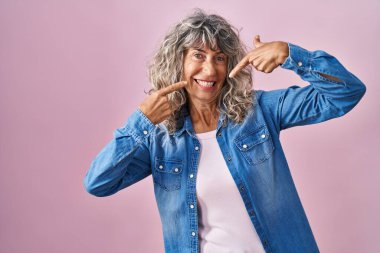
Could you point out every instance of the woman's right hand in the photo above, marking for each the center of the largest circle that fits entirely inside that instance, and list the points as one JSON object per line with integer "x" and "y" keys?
{"x": 156, "y": 106}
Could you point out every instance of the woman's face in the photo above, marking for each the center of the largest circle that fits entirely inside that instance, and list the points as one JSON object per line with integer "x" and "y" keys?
{"x": 205, "y": 71}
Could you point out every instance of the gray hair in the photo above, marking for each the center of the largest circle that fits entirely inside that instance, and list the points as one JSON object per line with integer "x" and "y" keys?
{"x": 213, "y": 31}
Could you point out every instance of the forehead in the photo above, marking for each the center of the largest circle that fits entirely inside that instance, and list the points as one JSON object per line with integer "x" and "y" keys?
{"x": 207, "y": 44}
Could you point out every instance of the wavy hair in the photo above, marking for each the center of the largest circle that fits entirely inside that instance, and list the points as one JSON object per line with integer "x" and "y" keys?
{"x": 214, "y": 32}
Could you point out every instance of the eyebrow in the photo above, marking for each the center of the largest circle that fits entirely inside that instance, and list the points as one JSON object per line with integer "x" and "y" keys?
{"x": 203, "y": 51}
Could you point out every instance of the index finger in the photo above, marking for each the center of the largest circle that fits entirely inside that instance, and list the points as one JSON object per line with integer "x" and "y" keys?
{"x": 173, "y": 87}
{"x": 242, "y": 64}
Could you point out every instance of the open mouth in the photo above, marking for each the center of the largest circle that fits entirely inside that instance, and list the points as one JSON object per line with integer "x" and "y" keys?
{"x": 205, "y": 84}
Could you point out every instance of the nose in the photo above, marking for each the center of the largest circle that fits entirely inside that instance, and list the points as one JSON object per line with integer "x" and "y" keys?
{"x": 209, "y": 68}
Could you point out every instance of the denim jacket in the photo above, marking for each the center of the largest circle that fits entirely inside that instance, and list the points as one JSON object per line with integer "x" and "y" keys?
{"x": 251, "y": 149}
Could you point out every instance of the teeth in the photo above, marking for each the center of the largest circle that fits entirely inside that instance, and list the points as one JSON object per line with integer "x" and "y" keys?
{"x": 205, "y": 84}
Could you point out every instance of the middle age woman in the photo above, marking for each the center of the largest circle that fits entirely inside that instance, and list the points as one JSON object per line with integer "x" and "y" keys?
{"x": 211, "y": 143}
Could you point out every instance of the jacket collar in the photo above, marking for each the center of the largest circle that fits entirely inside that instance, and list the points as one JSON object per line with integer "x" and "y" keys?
{"x": 184, "y": 123}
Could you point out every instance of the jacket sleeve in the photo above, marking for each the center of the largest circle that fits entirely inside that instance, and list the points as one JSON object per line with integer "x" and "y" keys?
{"x": 322, "y": 100}
{"x": 124, "y": 161}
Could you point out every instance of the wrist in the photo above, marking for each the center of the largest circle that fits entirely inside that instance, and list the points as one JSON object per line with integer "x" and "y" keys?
{"x": 284, "y": 52}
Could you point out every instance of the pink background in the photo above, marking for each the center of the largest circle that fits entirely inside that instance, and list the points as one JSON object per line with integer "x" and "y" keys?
{"x": 71, "y": 72}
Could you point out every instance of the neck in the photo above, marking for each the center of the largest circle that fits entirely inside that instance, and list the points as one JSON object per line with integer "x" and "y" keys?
{"x": 204, "y": 116}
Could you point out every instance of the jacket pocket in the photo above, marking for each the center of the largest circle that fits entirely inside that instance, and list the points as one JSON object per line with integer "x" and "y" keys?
{"x": 256, "y": 146}
{"x": 167, "y": 173}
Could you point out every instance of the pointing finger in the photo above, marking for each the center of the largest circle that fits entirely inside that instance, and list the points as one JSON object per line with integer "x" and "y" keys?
{"x": 242, "y": 64}
{"x": 173, "y": 87}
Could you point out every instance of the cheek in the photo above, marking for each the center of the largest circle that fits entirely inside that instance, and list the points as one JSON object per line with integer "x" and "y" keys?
{"x": 186, "y": 71}
{"x": 222, "y": 73}
{"x": 190, "y": 69}
{"x": 223, "y": 76}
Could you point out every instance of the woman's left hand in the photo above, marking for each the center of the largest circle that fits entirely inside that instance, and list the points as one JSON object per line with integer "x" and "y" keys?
{"x": 265, "y": 57}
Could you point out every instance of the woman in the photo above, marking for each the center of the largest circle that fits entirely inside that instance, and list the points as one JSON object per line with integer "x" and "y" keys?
{"x": 211, "y": 143}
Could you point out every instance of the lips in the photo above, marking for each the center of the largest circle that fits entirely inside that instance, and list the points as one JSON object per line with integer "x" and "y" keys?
{"x": 205, "y": 83}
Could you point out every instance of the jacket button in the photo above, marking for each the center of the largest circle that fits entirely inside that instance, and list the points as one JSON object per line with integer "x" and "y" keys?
{"x": 197, "y": 148}
{"x": 191, "y": 206}
{"x": 245, "y": 146}
{"x": 263, "y": 136}
{"x": 176, "y": 169}
{"x": 191, "y": 175}
{"x": 193, "y": 233}
{"x": 299, "y": 63}
{"x": 161, "y": 167}
{"x": 145, "y": 132}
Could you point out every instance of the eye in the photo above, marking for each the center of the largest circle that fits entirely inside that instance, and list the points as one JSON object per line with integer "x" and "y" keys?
{"x": 198, "y": 56}
{"x": 221, "y": 58}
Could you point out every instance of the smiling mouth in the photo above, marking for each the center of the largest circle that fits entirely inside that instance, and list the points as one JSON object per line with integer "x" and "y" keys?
{"x": 206, "y": 84}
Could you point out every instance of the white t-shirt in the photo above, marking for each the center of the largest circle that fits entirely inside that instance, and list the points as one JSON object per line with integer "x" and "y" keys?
{"x": 224, "y": 223}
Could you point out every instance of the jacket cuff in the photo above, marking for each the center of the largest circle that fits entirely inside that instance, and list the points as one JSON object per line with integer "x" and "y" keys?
{"x": 138, "y": 126}
{"x": 298, "y": 58}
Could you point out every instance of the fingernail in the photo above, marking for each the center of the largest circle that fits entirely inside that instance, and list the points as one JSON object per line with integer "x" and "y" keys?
{"x": 230, "y": 75}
